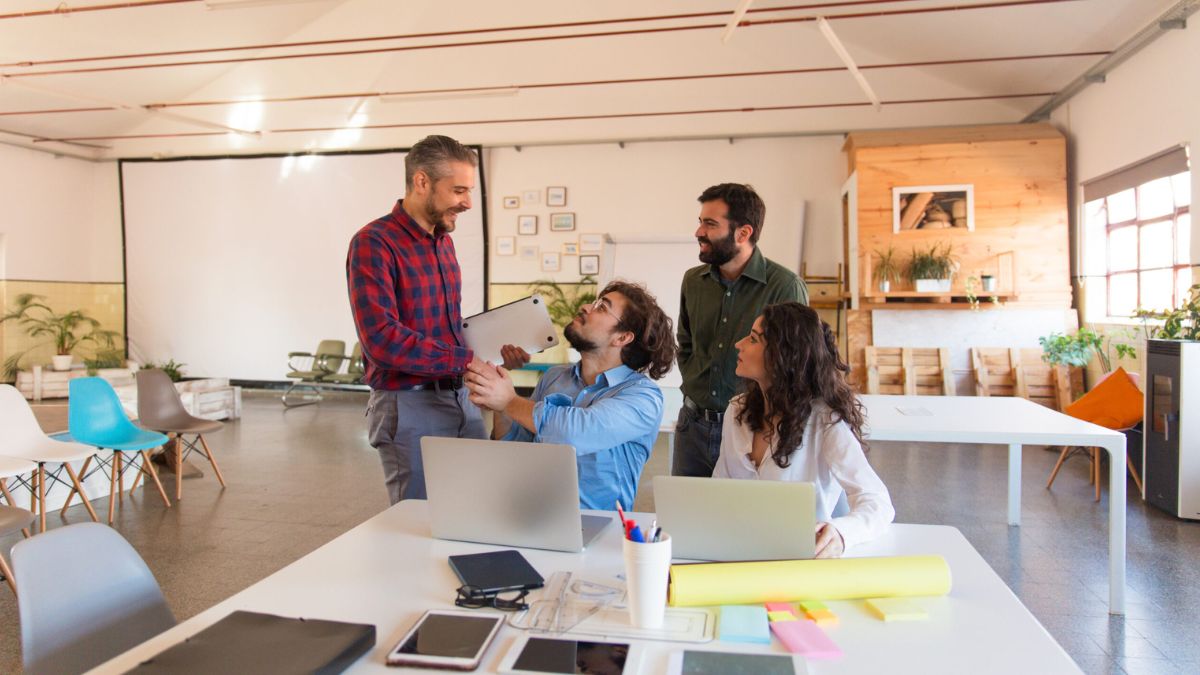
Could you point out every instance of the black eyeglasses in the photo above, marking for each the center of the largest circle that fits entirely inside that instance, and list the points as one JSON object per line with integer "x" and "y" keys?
{"x": 472, "y": 597}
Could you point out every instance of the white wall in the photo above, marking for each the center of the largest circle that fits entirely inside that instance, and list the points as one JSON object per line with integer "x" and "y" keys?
{"x": 1148, "y": 104}
{"x": 61, "y": 218}
{"x": 652, "y": 188}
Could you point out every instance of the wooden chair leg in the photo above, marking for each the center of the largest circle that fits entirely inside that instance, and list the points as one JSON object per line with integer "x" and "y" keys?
{"x": 8, "y": 498}
{"x": 119, "y": 460}
{"x": 149, "y": 468}
{"x": 79, "y": 488}
{"x": 71, "y": 495}
{"x": 137, "y": 479}
{"x": 211, "y": 459}
{"x": 1062, "y": 457}
{"x": 8, "y": 575}
{"x": 1096, "y": 470}
{"x": 1137, "y": 480}
{"x": 112, "y": 488}
{"x": 178, "y": 467}
{"x": 42, "y": 496}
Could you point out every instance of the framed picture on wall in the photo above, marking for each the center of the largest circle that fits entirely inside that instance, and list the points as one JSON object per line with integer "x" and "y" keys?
{"x": 512, "y": 202}
{"x": 562, "y": 222}
{"x": 591, "y": 243}
{"x": 589, "y": 264}
{"x": 528, "y": 253}
{"x": 933, "y": 207}
{"x": 506, "y": 245}
{"x": 556, "y": 196}
{"x": 570, "y": 248}
{"x": 526, "y": 224}
{"x": 551, "y": 262}
{"x": 531, "y": 196}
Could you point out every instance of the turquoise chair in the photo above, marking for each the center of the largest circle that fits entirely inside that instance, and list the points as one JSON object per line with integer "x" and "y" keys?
{"x": 95, "y": 417}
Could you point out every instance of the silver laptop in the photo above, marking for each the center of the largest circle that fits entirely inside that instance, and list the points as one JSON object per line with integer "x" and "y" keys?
{"x": 728, "y": 519}
{"x": 507, "y": 493}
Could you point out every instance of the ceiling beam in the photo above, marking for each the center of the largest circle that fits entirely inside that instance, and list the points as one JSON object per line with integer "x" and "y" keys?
{"x": 1172, "y": 19}
{"x": 844, "y": 55}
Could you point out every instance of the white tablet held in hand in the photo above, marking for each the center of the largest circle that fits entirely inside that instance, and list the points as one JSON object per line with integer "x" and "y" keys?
{"x": 524, "y": 323}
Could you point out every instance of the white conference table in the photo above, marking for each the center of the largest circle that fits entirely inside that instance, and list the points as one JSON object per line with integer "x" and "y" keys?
{"x": 1013, "y": 422}
{"x": 388, "y": 571}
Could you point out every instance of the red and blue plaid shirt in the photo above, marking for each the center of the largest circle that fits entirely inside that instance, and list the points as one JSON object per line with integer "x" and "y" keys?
{"x": 406, "y": 296}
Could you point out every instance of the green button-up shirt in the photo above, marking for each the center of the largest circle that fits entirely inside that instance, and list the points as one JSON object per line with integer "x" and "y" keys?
{"x": 712, "y": 318}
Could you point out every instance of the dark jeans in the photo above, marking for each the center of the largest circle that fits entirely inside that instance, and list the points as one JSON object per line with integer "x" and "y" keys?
{"x": 697, "y": 445}
{"x": 396, "y": 421}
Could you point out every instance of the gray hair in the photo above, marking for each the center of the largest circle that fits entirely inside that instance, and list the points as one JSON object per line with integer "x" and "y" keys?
{"x": 432, "y": 154}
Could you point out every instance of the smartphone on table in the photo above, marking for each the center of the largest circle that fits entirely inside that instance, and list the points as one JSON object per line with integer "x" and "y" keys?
{"x": 447, "y": 639}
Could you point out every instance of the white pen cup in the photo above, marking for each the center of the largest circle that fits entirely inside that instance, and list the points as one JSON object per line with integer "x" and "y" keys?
{"x": 647, "y": 566}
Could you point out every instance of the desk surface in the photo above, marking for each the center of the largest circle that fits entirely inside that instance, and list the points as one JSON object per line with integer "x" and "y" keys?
{"x": 977, "y": 419}
{"x": 388, "y": 571}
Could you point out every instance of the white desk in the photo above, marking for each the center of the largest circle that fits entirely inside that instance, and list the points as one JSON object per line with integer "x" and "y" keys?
{"x": 1013, "y": 422}
{"x": 388, "y": 571}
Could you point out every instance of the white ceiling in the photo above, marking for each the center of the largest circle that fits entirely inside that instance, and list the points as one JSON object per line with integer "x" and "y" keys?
{"x": 117, "y": 58}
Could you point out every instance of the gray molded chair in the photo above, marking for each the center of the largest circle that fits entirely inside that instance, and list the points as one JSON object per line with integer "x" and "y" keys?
{"x": 12, "y": 519}
{"x": 88, "y": 597}
{"x": 160, "y": 409}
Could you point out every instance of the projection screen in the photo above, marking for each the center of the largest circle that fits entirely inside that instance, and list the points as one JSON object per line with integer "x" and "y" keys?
{"x": 231, "y": 263}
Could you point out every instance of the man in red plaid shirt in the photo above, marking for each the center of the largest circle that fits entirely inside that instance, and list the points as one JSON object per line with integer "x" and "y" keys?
{"x": 406, "y": 294}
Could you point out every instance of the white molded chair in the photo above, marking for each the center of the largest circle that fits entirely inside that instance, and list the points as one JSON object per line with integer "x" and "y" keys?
{"x": 25, "y": 440}
{"x": 80, "y": 610}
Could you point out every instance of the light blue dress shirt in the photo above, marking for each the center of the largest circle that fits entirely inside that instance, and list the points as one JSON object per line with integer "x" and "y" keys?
{"x": 611, "y": 424}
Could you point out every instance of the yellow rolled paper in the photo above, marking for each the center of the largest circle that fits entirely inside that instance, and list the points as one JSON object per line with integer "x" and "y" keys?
{"x": 743, "y": 583}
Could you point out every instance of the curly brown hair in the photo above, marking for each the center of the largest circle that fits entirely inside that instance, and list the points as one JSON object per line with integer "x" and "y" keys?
{"x": 801, "y": 357}
{"x": 653, "y": 348}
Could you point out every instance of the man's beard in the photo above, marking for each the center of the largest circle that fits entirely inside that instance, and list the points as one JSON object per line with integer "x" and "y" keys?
{"x": 438, "y": 218}
{"x": 577, "y": 341}
{"x": 720, "y": 251}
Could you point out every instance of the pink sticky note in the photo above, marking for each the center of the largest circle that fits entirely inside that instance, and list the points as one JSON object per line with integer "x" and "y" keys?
{"x": 780, "y": 607}
{"x": 805, "y": 637}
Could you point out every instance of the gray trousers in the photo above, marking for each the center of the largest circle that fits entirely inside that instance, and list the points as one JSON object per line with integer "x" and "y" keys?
{"x": 396, "y": 421}
{"x": 697, "y": 445}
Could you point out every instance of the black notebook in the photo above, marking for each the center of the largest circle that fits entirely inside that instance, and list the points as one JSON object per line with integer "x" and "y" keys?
{"x": 496, "y": 571}
{"x": 249, "y": 642}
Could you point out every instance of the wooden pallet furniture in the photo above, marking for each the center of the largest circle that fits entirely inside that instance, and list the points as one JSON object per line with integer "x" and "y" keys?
{"x": 1003, "y": 371}
{"x": 915, "y": 371}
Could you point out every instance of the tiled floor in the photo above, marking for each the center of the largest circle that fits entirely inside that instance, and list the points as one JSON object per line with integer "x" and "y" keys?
{"x": 301, "y": 477}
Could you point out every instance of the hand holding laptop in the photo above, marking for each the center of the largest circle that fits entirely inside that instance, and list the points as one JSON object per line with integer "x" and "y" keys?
{"x": 829, "y": 542}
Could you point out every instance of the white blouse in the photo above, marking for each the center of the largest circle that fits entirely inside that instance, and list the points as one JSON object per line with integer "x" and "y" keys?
{"x": 830, "y": 457}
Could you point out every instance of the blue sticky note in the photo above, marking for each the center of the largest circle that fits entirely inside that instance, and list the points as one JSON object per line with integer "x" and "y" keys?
{"x": 745, "y": 623}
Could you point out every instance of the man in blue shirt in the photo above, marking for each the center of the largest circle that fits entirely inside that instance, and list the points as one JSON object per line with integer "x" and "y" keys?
{"x": 606, "y": 405}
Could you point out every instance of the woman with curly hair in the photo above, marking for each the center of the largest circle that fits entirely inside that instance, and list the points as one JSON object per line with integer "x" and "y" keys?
{"x": 799, "y": 420}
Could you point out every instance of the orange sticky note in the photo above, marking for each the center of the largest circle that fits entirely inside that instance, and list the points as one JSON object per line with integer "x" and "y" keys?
{"x": 823, "y": 617}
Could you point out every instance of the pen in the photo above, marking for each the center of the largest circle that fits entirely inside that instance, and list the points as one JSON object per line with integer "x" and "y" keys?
{"x": 621, "y": 515}
{"x": 635, "y": 534}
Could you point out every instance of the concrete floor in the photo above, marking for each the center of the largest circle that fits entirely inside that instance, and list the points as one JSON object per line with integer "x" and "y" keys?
{"x": 299, "y": 478}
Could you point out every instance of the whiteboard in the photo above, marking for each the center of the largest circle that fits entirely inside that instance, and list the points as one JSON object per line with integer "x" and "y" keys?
{"x": 231, "y": 263}
{"x": 658, "y": 262}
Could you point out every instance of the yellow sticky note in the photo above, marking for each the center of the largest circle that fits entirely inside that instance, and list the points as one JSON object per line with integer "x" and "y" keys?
{"x": 897, "y": 609}
{"x": 823, "y": 617}
{"x": 781, "y": 616}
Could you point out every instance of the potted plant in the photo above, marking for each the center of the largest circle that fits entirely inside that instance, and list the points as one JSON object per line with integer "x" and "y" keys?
{"x": 1078, "y": 349}
{"x": 931, "y": 271}
{"x": 1181, "y": 323}
{"x": 170, "y": 367}
{"x": 887, "y": 269}
{"x": 67, "y": 330}
{"x": 561, "y": 305}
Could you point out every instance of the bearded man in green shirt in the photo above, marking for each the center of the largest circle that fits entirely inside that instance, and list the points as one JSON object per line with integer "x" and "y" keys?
{"x": 719, "y": 302}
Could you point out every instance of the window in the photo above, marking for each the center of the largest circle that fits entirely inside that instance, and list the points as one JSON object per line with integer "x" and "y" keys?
{"x": 1136, "y": 243}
